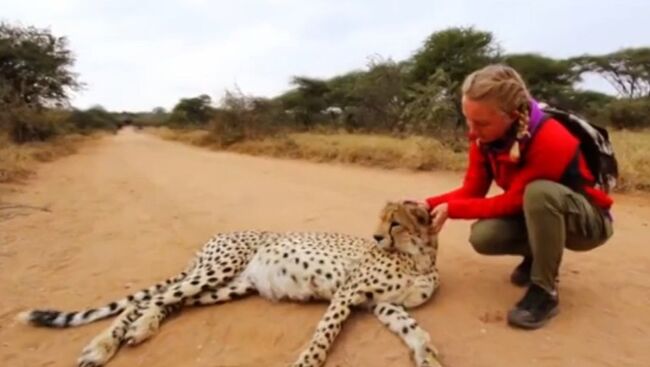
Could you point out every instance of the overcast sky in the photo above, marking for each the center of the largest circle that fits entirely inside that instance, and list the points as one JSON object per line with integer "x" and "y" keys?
{"x": 136, "y": 55}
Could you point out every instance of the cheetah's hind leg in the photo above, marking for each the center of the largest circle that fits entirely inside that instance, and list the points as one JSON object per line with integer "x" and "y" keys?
{"x": 147, "y": 325}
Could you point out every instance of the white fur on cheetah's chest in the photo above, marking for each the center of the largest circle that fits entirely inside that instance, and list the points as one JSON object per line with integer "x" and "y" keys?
{"x": 290, "y": 272}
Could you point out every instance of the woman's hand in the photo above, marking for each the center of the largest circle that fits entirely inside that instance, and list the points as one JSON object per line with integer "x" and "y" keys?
{"x": 439, "y": 217}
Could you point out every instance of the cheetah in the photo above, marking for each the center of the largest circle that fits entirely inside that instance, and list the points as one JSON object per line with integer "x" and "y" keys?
{"x": 386, "y": 275}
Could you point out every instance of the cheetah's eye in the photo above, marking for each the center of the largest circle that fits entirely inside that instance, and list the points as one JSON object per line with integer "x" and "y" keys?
{"x": 394, "y": 224}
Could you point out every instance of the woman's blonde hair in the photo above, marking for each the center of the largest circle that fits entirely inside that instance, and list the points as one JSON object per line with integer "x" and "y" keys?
{"x": 503, "y": 86}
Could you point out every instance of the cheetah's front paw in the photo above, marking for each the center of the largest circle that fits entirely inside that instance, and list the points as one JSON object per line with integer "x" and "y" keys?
{"x": 428, "y": 357}
{"x": 98, "y": 351}
{"x": 143, "y": 328}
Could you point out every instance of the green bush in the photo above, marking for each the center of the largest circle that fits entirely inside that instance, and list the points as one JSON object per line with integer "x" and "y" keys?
{"x": 95, "y": 118}
{"x": 242, "y": 117}
{"x": 629, "y": 113}
{"x": 196, "y": 111}
{"x": 26, "y": 125}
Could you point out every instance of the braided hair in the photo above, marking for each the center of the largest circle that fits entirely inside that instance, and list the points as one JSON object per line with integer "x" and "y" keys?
{"x": 502, "y": 85}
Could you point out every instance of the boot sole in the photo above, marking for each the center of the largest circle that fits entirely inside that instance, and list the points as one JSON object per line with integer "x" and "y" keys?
{"x": 520, "y": 283}
{"x": 534, "y": 325}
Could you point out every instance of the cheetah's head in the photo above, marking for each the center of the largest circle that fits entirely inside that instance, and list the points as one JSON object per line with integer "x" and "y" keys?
{"x": 405, "y": 226}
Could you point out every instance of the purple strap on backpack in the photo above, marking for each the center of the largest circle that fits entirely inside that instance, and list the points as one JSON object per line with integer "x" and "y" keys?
{"x": 536, "y": 116}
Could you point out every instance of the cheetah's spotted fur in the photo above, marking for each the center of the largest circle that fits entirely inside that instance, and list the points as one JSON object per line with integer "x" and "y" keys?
{"x": 394, "y": 272}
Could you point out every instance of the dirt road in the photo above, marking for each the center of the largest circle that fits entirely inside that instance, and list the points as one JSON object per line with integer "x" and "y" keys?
{"x": 131, "y": 209}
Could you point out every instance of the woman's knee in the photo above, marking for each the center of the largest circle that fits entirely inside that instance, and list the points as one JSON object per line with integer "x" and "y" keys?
{"x": 542, "y": 194}
{"x": 499, "y": 236}
{"x": 483, "y": 237}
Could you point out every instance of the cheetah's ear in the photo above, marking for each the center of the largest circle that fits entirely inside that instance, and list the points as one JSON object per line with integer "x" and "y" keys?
{"x": 421, "y": 215}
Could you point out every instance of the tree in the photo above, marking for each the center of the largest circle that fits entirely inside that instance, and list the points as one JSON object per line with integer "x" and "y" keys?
{"x": 307, "y": 99}
{"x": 342, "y": 89}
{"x": 547, "y": 79}
{"x": 241, "y": 116}
{"x": 456, "y": 52}
{"x": 195, "y": 110}
{"x": 379, "y": 94}
{"x": 430, "y": 106}
{"x": 627, "y": 70}
{"x": 35, "y": 67}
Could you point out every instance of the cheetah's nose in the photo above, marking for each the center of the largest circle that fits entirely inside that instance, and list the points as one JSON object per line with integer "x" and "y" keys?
{"x": 378, "y": 237}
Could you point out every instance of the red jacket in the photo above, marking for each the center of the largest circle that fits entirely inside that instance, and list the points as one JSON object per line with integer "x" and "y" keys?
{"x": 551, "y": 154}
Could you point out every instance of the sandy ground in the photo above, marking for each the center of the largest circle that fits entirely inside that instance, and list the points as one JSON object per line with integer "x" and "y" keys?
{"x": 131, "y": 209}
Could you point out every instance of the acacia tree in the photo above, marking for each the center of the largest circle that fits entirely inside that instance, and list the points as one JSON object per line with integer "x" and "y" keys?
{"x": 195, "y": 110}
{"x": 454, "y": 52}
{"x": 306, "y": 100}
{"x": 547, "y": 78}
{"x": 627, "y": 70}
{"x": 35, "y": 67}
{"x": 35, "y": 72}
{"x": 379, "y": 95}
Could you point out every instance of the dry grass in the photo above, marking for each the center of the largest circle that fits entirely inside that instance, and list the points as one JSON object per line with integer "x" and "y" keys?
{"x": 633, "y": 154}
{"x": 197, "y": 137}
{"x": 17, "y": 162}
{"x": 418, "y": 153}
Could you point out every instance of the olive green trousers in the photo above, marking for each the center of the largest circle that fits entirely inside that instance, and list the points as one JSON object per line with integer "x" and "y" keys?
{"x": 554, "y": 218}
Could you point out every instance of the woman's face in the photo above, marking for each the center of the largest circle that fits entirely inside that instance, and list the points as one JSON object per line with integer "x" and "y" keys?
{"x": 485, "y": 120}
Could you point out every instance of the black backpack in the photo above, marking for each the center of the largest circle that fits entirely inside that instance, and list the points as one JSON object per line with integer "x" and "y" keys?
{"x": 594, "y": 144}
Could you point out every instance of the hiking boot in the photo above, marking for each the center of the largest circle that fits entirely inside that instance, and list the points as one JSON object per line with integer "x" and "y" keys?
{"x": 521, "y": 275}
{"x": 534, "y": 309}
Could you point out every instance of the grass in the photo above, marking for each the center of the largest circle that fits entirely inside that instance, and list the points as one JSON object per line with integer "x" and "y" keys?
{"x": 197, "y": 137}
{"x": 633, "y": 154}
{"x": 418, "y": 153}
{"x": 17, "y": 162}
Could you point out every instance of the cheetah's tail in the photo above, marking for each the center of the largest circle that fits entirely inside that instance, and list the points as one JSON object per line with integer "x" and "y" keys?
{"x": 63, "y": 319}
